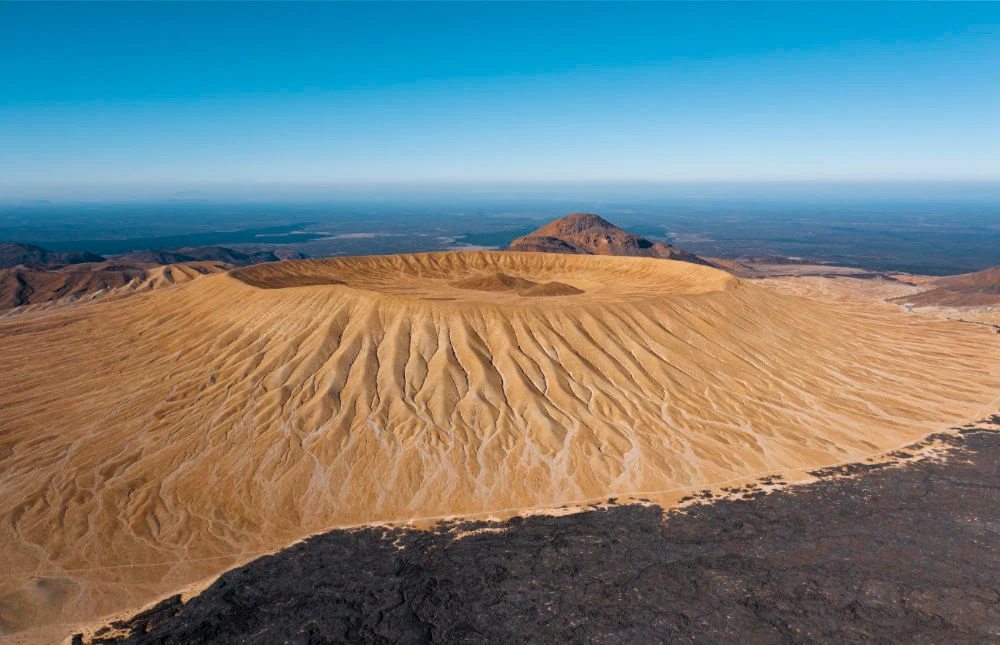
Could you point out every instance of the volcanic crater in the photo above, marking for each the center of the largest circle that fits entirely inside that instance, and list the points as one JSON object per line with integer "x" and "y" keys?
{"x": 176, "y": 433}
{"x": 503, "y": 278}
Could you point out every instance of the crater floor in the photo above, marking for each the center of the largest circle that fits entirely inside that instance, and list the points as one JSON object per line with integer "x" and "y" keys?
{"x": 501, "y": 278}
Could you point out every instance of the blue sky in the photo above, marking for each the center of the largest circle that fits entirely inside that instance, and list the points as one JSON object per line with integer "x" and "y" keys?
{"x": 184, "y": 95}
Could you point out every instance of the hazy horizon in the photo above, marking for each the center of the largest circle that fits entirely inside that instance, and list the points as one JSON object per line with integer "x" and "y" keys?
{"x": 319, "y": 192}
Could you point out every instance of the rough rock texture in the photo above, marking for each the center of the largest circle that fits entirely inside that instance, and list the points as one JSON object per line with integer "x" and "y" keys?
{"x": 587, "y": 234}
{"x": 12, "y": 254}
{"x": 869, "y": 553}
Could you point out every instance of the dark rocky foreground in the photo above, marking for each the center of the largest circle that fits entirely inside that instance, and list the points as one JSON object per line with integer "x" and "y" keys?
{"x": 886, "y": 553}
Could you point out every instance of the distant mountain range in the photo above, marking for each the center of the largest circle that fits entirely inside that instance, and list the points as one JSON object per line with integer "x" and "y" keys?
{"x": 236, "y": 258}
{"x": 13, "y": 254}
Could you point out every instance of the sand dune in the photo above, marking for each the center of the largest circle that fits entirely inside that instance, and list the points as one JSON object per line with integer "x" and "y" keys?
{"x": 149, "y": 442}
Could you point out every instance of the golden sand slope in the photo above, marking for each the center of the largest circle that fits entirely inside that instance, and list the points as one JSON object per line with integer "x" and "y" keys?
{"x": 149, "y": 442}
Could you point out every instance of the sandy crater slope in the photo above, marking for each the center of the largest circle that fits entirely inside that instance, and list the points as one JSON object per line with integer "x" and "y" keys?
{"x": 150, "y": 442}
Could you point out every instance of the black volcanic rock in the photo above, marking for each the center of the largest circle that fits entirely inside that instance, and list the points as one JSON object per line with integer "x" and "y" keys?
{"x": 869, "y": 553}
{"x": 13, "y": 254}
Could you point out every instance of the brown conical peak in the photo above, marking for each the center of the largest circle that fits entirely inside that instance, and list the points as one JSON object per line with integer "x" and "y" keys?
{"x": 575, "y": 223}
{"x": 589, "y": 234}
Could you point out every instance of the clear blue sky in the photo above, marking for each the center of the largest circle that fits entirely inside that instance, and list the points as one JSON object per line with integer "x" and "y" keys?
{"x": 191, "y": 94}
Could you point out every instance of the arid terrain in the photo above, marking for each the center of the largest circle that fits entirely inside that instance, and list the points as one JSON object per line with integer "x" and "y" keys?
{"x": 979, "y": 289}
{"x": 33, "y": 278}
{"x": 12, "y": 255}
{"x": 403, "y": 323}
{"x": 896, "y": 550}
{"x": 150, "y": 443}
{"x": 37, "y": 287}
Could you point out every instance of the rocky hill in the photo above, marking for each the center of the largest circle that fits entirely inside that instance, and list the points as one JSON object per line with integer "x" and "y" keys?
{"x": 31, "y": 275}
{"x": 13, "y": 254}
{"x": 22, "y": 286}
{"x": 588, "y": 234}
{"x": 979, "y": 289}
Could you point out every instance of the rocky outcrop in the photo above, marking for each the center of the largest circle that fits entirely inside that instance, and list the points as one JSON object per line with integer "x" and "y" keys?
{"x": 588, "y": 234}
